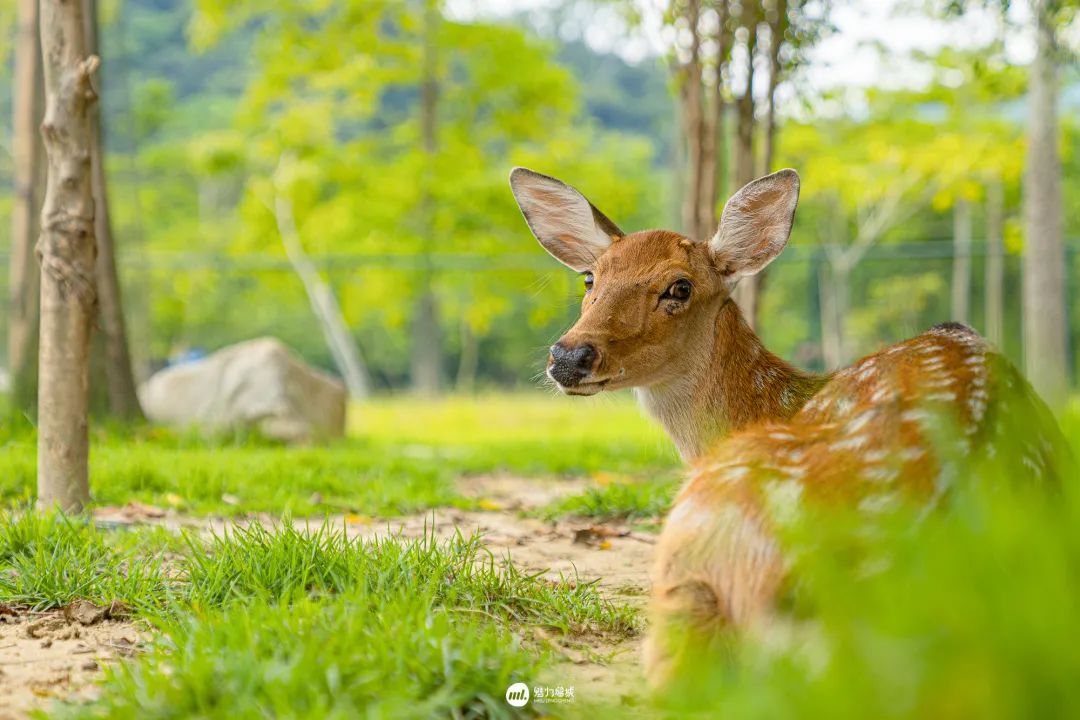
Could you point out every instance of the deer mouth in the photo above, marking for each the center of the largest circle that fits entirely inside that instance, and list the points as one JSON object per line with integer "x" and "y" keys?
{"x": 583, "y": 388}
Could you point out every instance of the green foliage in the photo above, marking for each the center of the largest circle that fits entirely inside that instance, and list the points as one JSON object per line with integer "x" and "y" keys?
{"x": 619, "y": 499}
{"x": 962, "y": 611}
{"x": 895, "y": 307}
{"x": 957, "y": 614}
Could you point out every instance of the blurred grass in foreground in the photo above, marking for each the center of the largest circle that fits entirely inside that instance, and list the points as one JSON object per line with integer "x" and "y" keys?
{"x": 967, "y": 611}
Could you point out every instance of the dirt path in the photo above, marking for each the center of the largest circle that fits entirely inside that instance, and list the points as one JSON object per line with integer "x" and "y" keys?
{"x": 54, "y": 655}
{"x": 48, "y": 656}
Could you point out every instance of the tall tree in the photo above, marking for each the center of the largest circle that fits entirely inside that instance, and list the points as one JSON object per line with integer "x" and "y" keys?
{"x": 321, "y": 297}
{"x": 961, "y": 276}
{"x": 746, "y": 293}
{"x": 66, "y": 251}
{"x": 1045, "y": 295}
{"x": 777, "y": 15}
{"x": 995, "y": 262}
{"x": 23, "y": 272}
{"x": 700, "y": 67}
{"x": 119, "y": 378}
{"x": 427, "y": 341}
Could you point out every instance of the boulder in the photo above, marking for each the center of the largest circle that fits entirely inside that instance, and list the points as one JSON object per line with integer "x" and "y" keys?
{"x": 258, "y": 384}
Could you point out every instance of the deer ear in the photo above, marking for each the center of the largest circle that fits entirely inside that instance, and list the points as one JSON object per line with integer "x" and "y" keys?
{"x": 755, "y": 224}
{"x": 565, "y": 223}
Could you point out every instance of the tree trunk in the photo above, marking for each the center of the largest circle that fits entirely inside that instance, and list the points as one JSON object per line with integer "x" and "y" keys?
{"x": 995, "y": 264}
{"x": 1045, "y": 332}
{"x": 961, "y": 269}
{"x": 23, "y": 272}
{"x": 324, "y": 305}
{"x": 830, "y": 331}
{"x": 778, "y": 24}
{"x": 746, "y": 293}
{"x": 713, "y": 131}
{"x": 119, "y": 378}
{"x": 693, "y": 114}
{"x": 469, "y": 362}
{"x": 66, "y": 250}
{"x": 427, "y": 343}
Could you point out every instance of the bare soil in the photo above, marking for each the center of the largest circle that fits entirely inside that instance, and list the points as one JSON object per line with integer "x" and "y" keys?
{"x": 53, "y": 655}
{"x": 47, "y": 656}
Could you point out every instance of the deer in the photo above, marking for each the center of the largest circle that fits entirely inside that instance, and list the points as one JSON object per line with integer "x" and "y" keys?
{"x": 761, "y": 437}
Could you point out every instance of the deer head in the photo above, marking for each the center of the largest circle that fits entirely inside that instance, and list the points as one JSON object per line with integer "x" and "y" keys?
{"x": 652, "y": 298}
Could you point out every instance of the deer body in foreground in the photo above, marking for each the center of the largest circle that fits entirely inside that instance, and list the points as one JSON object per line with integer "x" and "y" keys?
{"x": 761, "y": 436}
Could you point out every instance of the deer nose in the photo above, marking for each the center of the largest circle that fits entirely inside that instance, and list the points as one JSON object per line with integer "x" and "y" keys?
{"x": 570, "y": 365}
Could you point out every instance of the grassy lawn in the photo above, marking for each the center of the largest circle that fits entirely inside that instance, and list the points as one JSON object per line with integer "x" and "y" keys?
{"x": 304, "y": 623}
{"x": 401, "y": 456}
{"x": 965, "y": 613}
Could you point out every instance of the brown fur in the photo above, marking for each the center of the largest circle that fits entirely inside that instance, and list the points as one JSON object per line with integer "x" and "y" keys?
{"x": 762, "y": 437}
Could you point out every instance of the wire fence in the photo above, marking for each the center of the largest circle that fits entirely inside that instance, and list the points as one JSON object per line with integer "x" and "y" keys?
{"x": 512, "y": 306}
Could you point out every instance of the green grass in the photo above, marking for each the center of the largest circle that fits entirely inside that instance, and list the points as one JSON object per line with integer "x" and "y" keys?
{"x": 965, "y": 612}
{"x": 305, "y": 623}
{"x": 49, "y": 561}
{"x": 402, "y": 456}
{"x": 356, "y": 654}
{"x": 968, "y": 611}
{"x": 619, "y": 499}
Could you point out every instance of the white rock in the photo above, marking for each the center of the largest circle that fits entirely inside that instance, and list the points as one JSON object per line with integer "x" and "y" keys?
{"x": 259, "y": 384}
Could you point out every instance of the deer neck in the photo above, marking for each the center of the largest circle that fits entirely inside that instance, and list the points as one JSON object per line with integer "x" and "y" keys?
{"x": 730, "y": 381}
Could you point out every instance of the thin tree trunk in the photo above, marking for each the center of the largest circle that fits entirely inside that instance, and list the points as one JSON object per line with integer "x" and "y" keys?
{"x": 691, "y": 93}
{"x": 469, "y": 362}
{"x": 778, "y": 23}
{"x": 744, "y": 149}
{"x": 830, "y": 347}
{"x": 23, "y": 272}
{"x": 427, "y": 343}
{"x": 713, "y": 130}
{"x": 961, "y": 269}
{"x": 119, "y": 378}
{"x": 842, "y": 308}
{"x": 746, "y": 293}
{"x": 995, "y": 263}
{"x": 324, "y": 304}
{"x": 66, "y": 250}
{"x": 1045, "y": 333}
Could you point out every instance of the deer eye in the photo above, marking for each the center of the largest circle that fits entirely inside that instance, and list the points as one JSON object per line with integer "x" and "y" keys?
{"x": 679, "y": 290}
{"x": 588, "y": 281}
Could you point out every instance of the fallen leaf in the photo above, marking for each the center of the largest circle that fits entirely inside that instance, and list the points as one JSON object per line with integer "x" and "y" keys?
{"x": 605, "y": 545}
{"x": 354, "y": 519}
{"x": 486, "y": 504}
{"x": 230, "y": 499}
{"x": 589, "y": 535}
{"x": 602, "y": 478}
